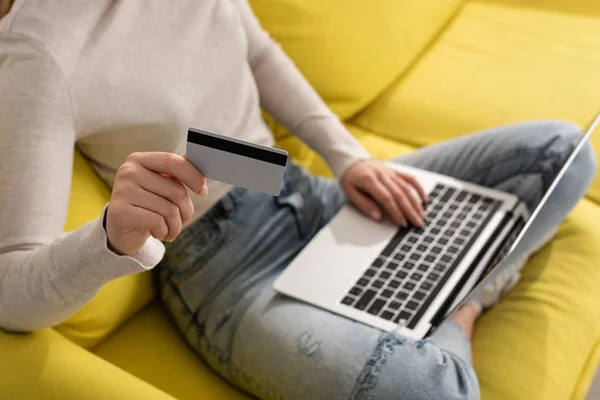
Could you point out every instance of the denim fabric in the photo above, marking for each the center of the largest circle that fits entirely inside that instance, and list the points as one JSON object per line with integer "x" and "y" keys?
{"x": 216, "y": 278}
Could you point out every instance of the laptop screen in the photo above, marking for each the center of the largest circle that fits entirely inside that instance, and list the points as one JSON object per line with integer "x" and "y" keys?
{"x": 520, "y": 236}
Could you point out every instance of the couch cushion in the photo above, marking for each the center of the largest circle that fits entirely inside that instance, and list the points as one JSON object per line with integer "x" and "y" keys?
{"x": 150, "y": 348}
{"x": 495, "y": 64}
{"x": 351, "y": 50}
{"x": 117, "y": 301}
{"x": 541, "y": 341}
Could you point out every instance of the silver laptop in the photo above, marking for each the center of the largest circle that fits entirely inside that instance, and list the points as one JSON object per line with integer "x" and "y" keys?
{"x": 409, "y": 280}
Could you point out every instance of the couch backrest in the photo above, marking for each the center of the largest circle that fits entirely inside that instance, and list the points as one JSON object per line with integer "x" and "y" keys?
{"x": 352, "y": 50}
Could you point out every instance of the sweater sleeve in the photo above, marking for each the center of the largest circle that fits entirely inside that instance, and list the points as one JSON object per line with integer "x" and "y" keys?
{"x": 45, "y": 275}
{"x": 288, "y": 97}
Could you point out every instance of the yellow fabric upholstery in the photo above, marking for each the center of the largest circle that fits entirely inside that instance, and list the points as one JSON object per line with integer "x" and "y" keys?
{"x": 45, "y": 365}
{"x": 498, "y": 62}
{"x": 403, "y": 74}
{"x": 120, "y": 299}
{"x": 150, "y": 348}
{"x": 536, "y": 343}
{"x": 351, "y": 49}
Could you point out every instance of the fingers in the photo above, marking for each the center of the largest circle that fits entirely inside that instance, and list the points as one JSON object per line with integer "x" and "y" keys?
{"x": 170, "y": 213}
{"x": 141, "y": 218}
{"x": 386, "y": 198}
{"x": 173, "y": 165}
{"x": 364, "y": 203}
{"x": 169, "y": 189}
{"x": 415, "y": 184}
{"x": 415, "y": 201}
{"x": 408, "y": 204}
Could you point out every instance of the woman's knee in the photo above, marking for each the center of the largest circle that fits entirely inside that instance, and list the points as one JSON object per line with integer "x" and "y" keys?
{"x": 565, "y": 137}
{"x": 416, "y": 370}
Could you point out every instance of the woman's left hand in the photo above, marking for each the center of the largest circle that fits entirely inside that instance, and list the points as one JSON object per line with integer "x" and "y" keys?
{"x": 371, "y": 185}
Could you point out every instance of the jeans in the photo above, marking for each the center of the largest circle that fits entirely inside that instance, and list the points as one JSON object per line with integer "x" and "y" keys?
{"x": 216, "y": 278}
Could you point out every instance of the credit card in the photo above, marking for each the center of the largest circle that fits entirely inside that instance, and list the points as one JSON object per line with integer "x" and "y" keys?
{"x": 236, "y": 162}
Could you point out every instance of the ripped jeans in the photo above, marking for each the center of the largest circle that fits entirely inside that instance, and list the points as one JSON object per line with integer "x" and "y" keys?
{"x": 216, "y": 278}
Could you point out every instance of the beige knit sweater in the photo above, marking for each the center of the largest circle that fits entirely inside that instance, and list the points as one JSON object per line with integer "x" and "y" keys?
{"x": 114, "y": 77}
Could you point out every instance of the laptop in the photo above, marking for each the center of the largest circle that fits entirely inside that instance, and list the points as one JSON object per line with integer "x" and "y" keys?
{"x": 409, "y": 280}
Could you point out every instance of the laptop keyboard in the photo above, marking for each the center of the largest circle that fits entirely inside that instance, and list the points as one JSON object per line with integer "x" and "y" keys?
{"x": 403, "y": 280}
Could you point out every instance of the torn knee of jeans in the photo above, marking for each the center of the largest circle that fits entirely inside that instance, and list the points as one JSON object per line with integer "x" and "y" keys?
{"x": 420, "y": 343}
{"x": 308, "y": 346}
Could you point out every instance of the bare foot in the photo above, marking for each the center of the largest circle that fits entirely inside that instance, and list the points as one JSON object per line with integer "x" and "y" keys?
{"x": 465, "y": 317}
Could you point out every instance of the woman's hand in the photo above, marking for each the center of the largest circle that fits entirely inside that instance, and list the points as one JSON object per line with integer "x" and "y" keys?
{"x": 371, "y": 185}
{"x": 149, "y": 199}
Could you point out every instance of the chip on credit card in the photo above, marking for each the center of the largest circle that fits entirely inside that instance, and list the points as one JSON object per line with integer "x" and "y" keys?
{"x": 236, "y": 162}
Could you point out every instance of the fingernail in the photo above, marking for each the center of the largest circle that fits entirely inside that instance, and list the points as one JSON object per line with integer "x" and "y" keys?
{"x": 376, "y": 215}
{"x": 204, "y": 190}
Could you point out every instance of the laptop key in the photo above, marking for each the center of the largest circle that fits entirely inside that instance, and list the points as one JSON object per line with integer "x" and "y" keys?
{"x": 419, "y": 295}
{"x": 394, "y": 305}
{"x": 401, "y": 274}
{"x": 377, "y": 263}
{"x": 402, "y": 317}
{"x": 384, "y": 275}
{"x": 412, "y": 305}
{"x": 461, "y": 196}
{"x": 387, "y": 293}
{"x": 376, "y": 307}
{"x": 363, "y": 282}
{"x": 409, "y": 286}
{"x": 365, "y": 299}
{"x": 370, "y": 272}
{"x": 377, "y": 284}
{"x": 394, "y": 284}
{"x": 416, "y": 277}
{"x": 347, "y": 300}
{"x": 426, "y": 285}
{"x": 355, "y": 291}
{"x": 423, "y": 267}
{"x": 387, "y": 315}
{"x": 447, "y": 195}
{"x": 401, "y": 295}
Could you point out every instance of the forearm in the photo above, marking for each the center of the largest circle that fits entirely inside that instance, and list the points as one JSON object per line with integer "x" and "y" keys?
{"x": 287, "y": 96}
{"x": 43, "y": 285}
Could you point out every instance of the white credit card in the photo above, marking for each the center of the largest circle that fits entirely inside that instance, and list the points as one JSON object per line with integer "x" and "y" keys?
{"x": 236, "y": 162}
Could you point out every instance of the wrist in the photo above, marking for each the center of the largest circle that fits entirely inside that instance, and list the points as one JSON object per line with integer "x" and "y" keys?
{"x": 109, "y": 245}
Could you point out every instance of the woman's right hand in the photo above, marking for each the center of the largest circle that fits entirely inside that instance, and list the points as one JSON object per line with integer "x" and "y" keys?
{"x": 149, "y": 199}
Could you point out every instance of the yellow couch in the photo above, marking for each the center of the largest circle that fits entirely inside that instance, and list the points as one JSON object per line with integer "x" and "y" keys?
{"x": 401, "y": 74}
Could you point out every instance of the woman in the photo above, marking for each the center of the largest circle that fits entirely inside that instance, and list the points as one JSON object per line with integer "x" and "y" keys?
{"x": 123, "y": 80}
